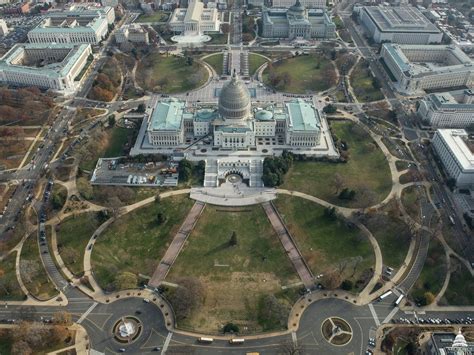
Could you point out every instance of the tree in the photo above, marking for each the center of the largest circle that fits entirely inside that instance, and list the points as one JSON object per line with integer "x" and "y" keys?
{"x": 429, "y": 298}
{"x": 230, "y": 328}
{"x": 233, "y": 239}
{"x": 160, "y": 218}
{"x": 184, "y": 170}
{"x": 290, "y": 348}
{"x": 347, "y": 285}
{"x": 141, "y": 108}
{"x": 28, "y": 270}
{"x": 111, "y": 120}
{"x": 187, "y": 297}
{"x": 366, "y": 197}
{"x": 331, "y": 280}
{"x": 225, "y": 28}
{"x": 272, "y": 311}
{"x": 330, "y": 108}
{"x": 126, "y": 280}
{"x": 338, "y": 182}
{"x": 21, "y": 348}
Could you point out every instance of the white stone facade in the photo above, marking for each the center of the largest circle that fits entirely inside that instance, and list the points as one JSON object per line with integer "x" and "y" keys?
{"x": 61, "y": 64}
{"x": 404, "y": 25}
{"x": 456, "y": 155}
{"x": 421, "y": 67}
{"x": 3, "y": 28}
{"x": 194, "y": 19}
{"x": 309, "y": 4}
{"x": 134, "y": 33}
{"x": 448, "y": 109}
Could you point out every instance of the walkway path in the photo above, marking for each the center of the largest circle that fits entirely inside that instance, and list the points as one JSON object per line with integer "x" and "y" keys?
{"x": 289, "y": 244}
{"x": 176, "y": 245}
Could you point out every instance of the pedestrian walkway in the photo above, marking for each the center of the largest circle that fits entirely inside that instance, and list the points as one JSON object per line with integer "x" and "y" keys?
{"x": 176, "y": 245}
{"x": 289, "y": 244}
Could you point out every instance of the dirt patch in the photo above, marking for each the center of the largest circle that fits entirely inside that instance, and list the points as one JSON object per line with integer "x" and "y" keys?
{"x": 233, "y": 299}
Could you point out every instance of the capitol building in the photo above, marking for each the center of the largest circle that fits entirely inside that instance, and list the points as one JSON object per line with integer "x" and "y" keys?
{"x": 234, "y": 124}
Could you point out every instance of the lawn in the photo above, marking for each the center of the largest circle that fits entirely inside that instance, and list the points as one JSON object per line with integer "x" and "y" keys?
{"x": 117, "y": 141}
{"x": 432, "y": 275}
{"x": 158, "y": 16}
{"x": 366, "y": 169}
{"x": 327, "y": 244}
{"x": 235, "y": 277}
{"x": 393, "y": 237}
{"x": 402, "y": 165}
{"x": 255, "y": 62}
{"x": 169, "y": 74}
{"x": 137, "y": 242}
{"x": 364, "y": 86}
{"x": 12, "y": 153}
{"x": 73, "y": 235}
{"x": 218, "y": 38}
{"x": 460, "y": 290}
{"x": 300, "y": 75}
{"x": 32, "y": 271}
{"x": 9, "y": 287}
{"x": 215, "y": 61}
{"x": 411, "y": 197}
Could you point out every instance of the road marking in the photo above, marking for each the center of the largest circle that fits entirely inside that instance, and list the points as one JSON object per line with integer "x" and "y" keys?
{"x": 374, "y": 315}
{"x": 86, "y": 313}
{"x": 167, "y": 343}
{"x": 295, "y": 339}
{"x": 390, "y": 315}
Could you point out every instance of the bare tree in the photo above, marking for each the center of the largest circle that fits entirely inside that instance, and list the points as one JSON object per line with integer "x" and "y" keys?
{"x": 187, "y": 297}
{"x": 290, "y": 348}
{"x": 28, "y": 270}
{"x": 366, "y": 196}
{"x": 338, "y": 182}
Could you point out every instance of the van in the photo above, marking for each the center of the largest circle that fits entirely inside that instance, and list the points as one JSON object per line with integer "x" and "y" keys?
{"x": 236, "y": 341}
{"x": 205, "y": 340}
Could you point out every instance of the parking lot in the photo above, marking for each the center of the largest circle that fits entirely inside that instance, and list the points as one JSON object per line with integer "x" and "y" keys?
{"x": 19, "y": 27}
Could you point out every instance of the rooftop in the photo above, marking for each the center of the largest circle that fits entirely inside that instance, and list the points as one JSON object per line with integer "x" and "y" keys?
{"x": 303, "y": 116}
{"x": 399, "y": 19}
{"x": 167, "y": 116}
{"x": 460, "y": 145}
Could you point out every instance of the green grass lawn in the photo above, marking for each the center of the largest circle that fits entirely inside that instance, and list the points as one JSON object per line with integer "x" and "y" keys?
{"x": 393, "y": 237}
{"x": 235, "y": 277}
{"x": 9, "y": 287}
{"x": 215, "y": 61}
{"x": 366, "y": 168}
{"x": 117, "y": 141}
{"x": 33, "y": 274}
{"x": 363, "y": 84}
{"x": 326, "y": 244}
{"x": 306, "y": 73}
{"x": 255, "y": 62}
{"x": 433, "y": 273}
{"x": 460, "y": 290}
{"x": 158, "y": 16}
{"x": 169, "y": 74}
{"x": 136, "y": 242}
{"x": 72, "y": 236}
{"x": 340, "y": 97}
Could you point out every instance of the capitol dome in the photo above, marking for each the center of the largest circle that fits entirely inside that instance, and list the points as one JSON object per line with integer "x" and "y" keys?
{"x": 234, "y": 100}
{"x": 459, "y": 341}
{"x": 296, "y": 9}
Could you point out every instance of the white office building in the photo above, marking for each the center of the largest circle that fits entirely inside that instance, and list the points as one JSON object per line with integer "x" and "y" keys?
{"x": 47, "y": 66}
{"x": 404, "y": 25}
{"x": 3, "y": 28}
{"x": 309, "y": 4}
{"x": 453, "y": 109}
{"x": 297, "y": 22}
{"x": 84, "y": 11}
{"x": 456, "y": 152}
{"x": 134, "y": 33}
{"x": 194, "y": 19}
{"x": 426, "y": 67}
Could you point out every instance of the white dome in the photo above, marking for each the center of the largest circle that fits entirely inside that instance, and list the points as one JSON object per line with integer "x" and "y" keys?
{"x": 459, "y": 341}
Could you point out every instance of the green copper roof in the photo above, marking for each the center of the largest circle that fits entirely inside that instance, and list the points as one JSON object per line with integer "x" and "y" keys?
{"x": 167, "y": 116}
{"x": 303, "y": 116}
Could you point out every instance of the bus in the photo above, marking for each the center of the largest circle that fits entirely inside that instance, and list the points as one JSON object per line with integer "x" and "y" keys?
{"x": 399, "y": 299}
{"x": 385, "y": 295}
{"x": 236, "y": 341}
{"x": 205, "y": 340}
{"x": 451, "y": 219}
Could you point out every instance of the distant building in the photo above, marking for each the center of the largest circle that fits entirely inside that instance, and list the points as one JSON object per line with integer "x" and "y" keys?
{"x": 3, "y": 28}
{"x": 404, "y": 25}
{"x": 85, "y": 12}
{"x": 421, "y": 67}
{"x": 297, "y": 22}
{"x": 134, "y": 33}
{"x": 456, "y": 152}
{"x": 309, "y": 4}
{"x": 194, "y": 19}
{"x": 449, "y": 344}
{"x": 453, "y": 109}
{"x": 47, "y": 66}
